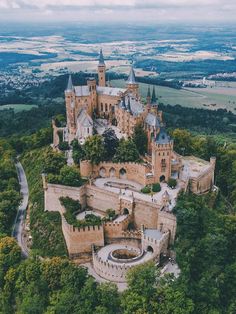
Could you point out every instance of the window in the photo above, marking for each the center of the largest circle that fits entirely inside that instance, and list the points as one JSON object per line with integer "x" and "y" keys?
{"x": 106, "y": 107}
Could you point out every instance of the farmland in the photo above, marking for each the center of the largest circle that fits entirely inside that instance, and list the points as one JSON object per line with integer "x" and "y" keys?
{"x": 206, "y": 98}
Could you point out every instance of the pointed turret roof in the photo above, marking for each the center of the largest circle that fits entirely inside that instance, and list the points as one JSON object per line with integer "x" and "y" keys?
{"x": 163, "y": 137}
{"x": 70, "y": 86}
{"x": 154, "y": 98}
{"x": 101, "y": 61}
{"x": 131, "y": 78}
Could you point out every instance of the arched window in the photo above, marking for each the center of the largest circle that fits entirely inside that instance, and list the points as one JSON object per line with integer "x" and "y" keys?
{"x": 101, "y": 106}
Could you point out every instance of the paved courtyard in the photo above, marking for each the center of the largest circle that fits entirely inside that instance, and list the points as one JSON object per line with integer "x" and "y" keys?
{"x": 106, "y": 183}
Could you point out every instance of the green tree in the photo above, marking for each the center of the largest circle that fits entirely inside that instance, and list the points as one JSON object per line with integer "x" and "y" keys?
{"x": 110, "y": 143}
{"x": 10, "y": 256}
{"x": 126, "y": 151}
{"x": 94, "y": 149}
{"x": 140, "y": 139}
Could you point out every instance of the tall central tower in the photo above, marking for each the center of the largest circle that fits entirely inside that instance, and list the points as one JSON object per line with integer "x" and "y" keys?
{"x": 101, "y": 70}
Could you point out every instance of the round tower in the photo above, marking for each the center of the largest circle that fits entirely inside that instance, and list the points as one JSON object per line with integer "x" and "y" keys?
{"x": 162, "y": 148}
{"x": 101, "y": 70}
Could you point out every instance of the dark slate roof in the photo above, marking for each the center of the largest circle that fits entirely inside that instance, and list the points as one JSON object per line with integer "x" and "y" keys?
{"x": 129, "y": 103}
{"x": 101, "y": 59}
{"x": 152, "y": 120}
{"x": 131, "y": 78}
{"x": 154, "y": 98}
{"x": 70, "y": 86}
{"x": 163, "y": 137}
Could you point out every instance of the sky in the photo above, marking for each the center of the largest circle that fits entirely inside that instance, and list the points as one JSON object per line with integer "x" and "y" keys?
{"x": 131, "y": 11}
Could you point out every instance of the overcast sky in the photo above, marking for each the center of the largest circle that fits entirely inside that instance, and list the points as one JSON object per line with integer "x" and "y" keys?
{"x": 119, "y": 10}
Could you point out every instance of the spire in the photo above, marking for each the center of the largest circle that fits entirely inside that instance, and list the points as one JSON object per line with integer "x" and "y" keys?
{"x": 70, "y": 86}
{"x": 131, "y": 78}
{"x": 154, "y": 98}
{"x": 149, "y": 92}
{"x": 101, "y": 59}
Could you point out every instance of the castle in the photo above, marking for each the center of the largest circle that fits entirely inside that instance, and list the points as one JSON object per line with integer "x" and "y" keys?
{"x": 118, "y": 185}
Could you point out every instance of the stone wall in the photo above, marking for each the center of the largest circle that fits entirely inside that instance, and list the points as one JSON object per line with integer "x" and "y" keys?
{"x": 101, "y": 200}
{"x": 133, "y": 171}
{"x": 203, "y": 183}
{"x": 80, "y": 240}
{"x": 146, "y": 213}
{"x": 158, "y": 246}
{"x": 115, "y": 229}
{"x": 53, "y": 192}
{"x": 109, "y": 271}
{"x": 167, "y": 222}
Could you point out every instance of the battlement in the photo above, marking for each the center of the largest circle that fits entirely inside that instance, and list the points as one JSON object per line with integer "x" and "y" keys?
{"x": 132, "y": 234}
{"x": 72, "y": 228}
{"x": 110, "y": 271}
{"x": 80, "y": 240}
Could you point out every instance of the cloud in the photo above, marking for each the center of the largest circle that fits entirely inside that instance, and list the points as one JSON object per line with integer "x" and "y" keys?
{"x": 130, "y": 10}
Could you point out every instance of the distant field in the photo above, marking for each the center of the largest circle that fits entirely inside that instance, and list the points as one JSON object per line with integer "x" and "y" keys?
{"x": 206, "y": 98}
{"x": 18, "y": 107}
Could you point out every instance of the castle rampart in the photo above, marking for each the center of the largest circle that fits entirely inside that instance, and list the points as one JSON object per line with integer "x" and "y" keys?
{"x": 79, "y": 240}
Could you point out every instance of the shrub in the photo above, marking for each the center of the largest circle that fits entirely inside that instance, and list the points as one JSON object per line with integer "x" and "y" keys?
{"x": 63, "y": 146}
{"x": 172, "y": 183}
{"x": 70, "y": 205}
{"x": 146, "y": 189}
{"x": 156, "y": 187}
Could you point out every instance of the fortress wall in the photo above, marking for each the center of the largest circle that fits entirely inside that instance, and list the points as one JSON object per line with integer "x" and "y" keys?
{"x": 109, "y": 271}
{"x": 167, "y": 222}
{"x": 203, "y": 183}
{"x": 134, "y": 171}
{"x": 132, "y": 238}
{"x": 115, "y": 229}
{"x": 158, "y": 246}
{"x": 80, "y": 240}
{"x": 53, "y": 192}
{"x": 101, "y": 200}
{"x": 146, "y": 213}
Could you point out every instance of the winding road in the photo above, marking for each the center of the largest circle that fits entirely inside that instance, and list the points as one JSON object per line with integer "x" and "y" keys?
{"x": 18, "y": 228}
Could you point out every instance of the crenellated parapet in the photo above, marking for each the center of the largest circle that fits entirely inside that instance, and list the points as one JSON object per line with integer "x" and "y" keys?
{"x": 109, "y": 271}
{"x": 79, "y": 240}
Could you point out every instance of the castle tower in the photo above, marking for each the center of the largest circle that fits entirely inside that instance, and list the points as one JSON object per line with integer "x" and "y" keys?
{"x": 131, "y": 83}
{"x": 101, "y": 70}
{"x": 70, "y": 106}
{"x": 148, "y": 95}
{"x": 162, "y": 147}
{"x": 154, "y": 106}
{"x": 92, "y": 85}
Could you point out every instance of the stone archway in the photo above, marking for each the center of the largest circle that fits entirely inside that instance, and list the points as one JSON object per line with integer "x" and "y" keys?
{"x": 112, "y": 172}
{"x": 122, "y": 173}
{"x": 162, "y": 178}
{"x": 125, "y": 211}
{"x": 150, "y": 249}
{"x": 102, "y": 172}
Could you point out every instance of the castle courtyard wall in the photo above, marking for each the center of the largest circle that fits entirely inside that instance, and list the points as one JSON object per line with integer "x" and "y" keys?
{"x": 80, "y": 240}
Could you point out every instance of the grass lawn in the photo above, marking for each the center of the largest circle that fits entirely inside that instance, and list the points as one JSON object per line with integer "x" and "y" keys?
{"x": 206, "y": 98}
{"x": 18, "y": 107}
